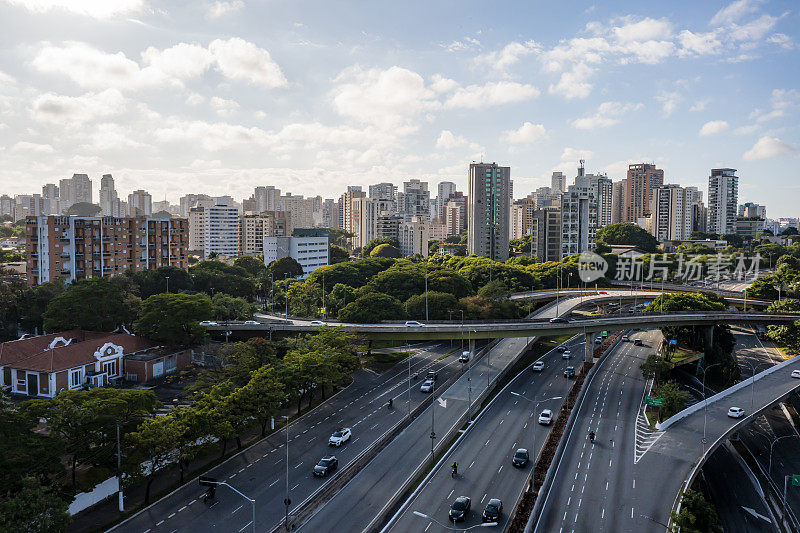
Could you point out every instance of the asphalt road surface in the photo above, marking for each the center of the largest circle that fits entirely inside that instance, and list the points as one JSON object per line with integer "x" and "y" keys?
{"x": 260, "y": 471}
{"x": 594, "y": 488}
{"x": 484, "y": 456}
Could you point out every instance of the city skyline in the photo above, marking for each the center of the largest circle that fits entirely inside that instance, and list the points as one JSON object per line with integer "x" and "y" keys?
{"x": 200, "y": 98}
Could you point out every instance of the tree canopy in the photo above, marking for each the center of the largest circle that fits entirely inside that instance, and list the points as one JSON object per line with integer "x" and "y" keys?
{"x": 628, "y": 234}
{"x": 385, "y": 250}
{"x": 94, "y": 304}
{"x": 285, "y": 266}
{"x": 372, "y": 308}
{"x": 174, "y": 318}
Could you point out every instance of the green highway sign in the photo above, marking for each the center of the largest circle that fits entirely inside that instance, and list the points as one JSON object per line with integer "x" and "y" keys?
{"x": 655, "y": 402}
{"x": 796, "y": 480}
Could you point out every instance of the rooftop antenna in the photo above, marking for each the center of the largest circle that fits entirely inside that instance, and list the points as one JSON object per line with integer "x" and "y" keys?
{"x": 580, "y": 168}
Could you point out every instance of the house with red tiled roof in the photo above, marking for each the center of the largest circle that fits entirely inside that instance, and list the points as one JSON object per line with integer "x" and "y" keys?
{"x": 43, "y": 366}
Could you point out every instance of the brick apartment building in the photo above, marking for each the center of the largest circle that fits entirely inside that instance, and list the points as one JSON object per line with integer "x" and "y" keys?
{"x": 76, "y": 248}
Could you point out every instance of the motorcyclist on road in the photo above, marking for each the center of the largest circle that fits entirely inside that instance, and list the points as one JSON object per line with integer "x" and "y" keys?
{"x": 455, "y": 468}
{"x": 591, "y": 436}
{"x": 210, "y": 493}
{"x": 390, "y": 403}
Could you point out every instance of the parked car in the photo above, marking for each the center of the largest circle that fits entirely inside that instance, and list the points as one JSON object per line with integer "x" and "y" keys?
{"x": 325, "y": 466}
{"x": 569, "y": 372}
{"x": 339, "y": 437}
{"x": 432, "y": 375}
{"x": 414, "y": 324}
{"x": 736, "y": 412}
{"x": 546, "y": 418}
{"x": 316, "y": 323}
{"x": 602, "y": 292}
{"x": 464, "y": 357}
{"x": 460, "y": 508}
{"x": 427, "y": 386}
{"x": 566, "y": 355}
{"x": 538, "y": 366}
{"x": 520, "y": 458}
{"x": 493, "y": 511}
{"x": 796, "y": 373}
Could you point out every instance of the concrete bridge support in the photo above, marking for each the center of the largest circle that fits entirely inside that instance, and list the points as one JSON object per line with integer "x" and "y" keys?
{"x": 588, "y": 347}
{"x": 708, "y": 337}
{"x": 471, "y": 347}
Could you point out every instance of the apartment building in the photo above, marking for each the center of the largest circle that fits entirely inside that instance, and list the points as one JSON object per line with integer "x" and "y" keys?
{"x": 723, "y": 200}
{"x": 521, "y": 217}
{"x": 488, "y": 216}
{"x": 85, "y": 247}
{"x": 413, "y": 237}
{"x": 140, "y": 203}
{"x": 671, "y": 213}
{"x": 266, "y": 199}
{"x": 308, "y": 246}
{"x": 445, "y": 190}
{"x": 642, "y": 178}
{"x": 578, "y": 218}
{"x": 415, "y": 200}
{"x": 546, "y": 234}
{"x": 76, "y": 189}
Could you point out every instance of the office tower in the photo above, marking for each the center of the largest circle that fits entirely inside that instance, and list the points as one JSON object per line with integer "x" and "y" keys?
{"x": 7, "y": 205}
{"x": 74, "y": 247}
{"x": 641, "y": 180}
{"x": 74, "y": 190}
{"x": 221, "y": 230}
{"x": 444, "y": 190}
{"x": 488, "y": 210}
{"x": 578, "y": 218}
{"x": 558, "y": 183}
{"x": 546, "y": 234}
{"x": 413, "y": 237}
{"x": 671, "y": 213}
{"x": 751, "y": 210}
{"x": 415, "y": 200}
{"x": 109, "y": 200}
{"x": 140, "y": 203}
{"x": 266, "y": 198}
{"x": 308, "y": 246}
{"x": 723, "y": 200}
{"x": 50, "y": 192}
{"x": 522, "y": 217}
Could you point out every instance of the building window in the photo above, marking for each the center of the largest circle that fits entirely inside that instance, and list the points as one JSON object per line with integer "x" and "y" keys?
{"x": 110, "y": 368}
{"x": 75, "y": 378}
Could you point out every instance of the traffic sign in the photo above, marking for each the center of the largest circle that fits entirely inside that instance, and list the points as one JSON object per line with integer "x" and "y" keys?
{"x": 654, "y": 401}
{"x": 796, "y": 480}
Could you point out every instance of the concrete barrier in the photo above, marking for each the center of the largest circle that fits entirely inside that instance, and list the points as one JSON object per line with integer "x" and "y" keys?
{"x": 100, "y": 492}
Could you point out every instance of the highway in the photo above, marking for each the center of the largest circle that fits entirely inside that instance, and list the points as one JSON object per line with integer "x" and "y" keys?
{"x": 259, "y": 472}
{"x": 594, "y": 488}
{"x": 370, "y": 493}
{"x": 484, "y": 456}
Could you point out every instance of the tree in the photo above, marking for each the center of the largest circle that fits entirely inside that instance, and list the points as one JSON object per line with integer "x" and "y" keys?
{"x": 340, "y": 296}
{"x": 33, "y": 302}
{"x": 403, "y": 283}
{"x": 173, "y": 318}
{"x": 372, "y": 308}
{"x": 628, "y": 234}
{"x": 215, "y": 276}
{"x": 226, "y": 307}
{"x": 285, "y": 266}
{"x": 654, "y": 367}
{"x": 154, "y": 444}
{"x": 374, "y": 243}
{"x": 154, "y": 281}
{"x": 33, "y": 509}
{"x": 337, "y": 254}
{"x": 433, "y": 247}
{"x": 385, "y": 250}
{"x": 251, "y": 264}
{"x": 697, "y": 515}
{"x": 438, "y": 305}
{"x": 674, "y": 398}
{"x": 703, "y": 236}
{"x": 494, "y": 290}
{"x": 93, "y": 304}
{"x": 443, "y": 280}
{"x": 84, "y": 209}
{"x": 790, "y": 230}
{"x": 265, "y": 394}
{"x": 520, "y": 246}
{"x": 733, "y": 239}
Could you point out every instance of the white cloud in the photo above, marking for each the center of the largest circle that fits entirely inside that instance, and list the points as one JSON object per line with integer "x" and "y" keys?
{"x": 211, "y": 136}
{"x": 448, "y": 140}
{"x": 734, "y": 11}
{"x": 440, "y": 84}
{"x": 767, "y": 147}
{"x": 746, "y": 130}
{"x": 25, "y": 146}
{"x": 569, "y": 159}
{"x": 107, "y": 137}
{"x": 99, "y": 9}
{"x": 387, "y": 98}
{"x": 669, "y": 101}
{"x": 223, "y": 106}
{"x": 526, "y": 134}
{"x": 241, "y": 60}
{"x": 491, "y": 94}
{"x": 753, "y": 30}
{"x": 464, "y": 44}
{"x": 699, "y": 106}
{"x": 713, "y": 127}
{"x": 62, "y": 109}
{"x": 220, "y": 8}
{"x": 508, "y": 55}
{"x": 607, "y": 114}
{"x": 699, "y": 43}
{"x": 782, "y": 40}
{"x": 89, "y": 67}
{"x": 644, "y": 30}
{"x": 573, "y": 83}
{"x": 195, "y": 99}
{"x": 783, "y": 100}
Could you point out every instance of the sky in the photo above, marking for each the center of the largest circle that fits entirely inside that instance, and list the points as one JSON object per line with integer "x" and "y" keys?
{"x": 221, "y": 96}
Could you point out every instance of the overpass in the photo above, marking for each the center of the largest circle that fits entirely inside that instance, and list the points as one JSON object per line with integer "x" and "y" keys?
{"x": 638, "y": 293}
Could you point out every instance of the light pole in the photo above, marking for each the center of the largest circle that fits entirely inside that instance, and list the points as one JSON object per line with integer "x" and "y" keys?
{"x": 753, "y": 381}
{"x": 272, "y": 294}
{"x": 426, "y": 291}
{"x": 769, "y": 470}
{"x": 705, "y": 403}
{"x": 286, "y": 293}
{"x": 252, "y": 501}
{"x": 535, "y": 409}
{"x": 433, "y": 418}
{"x": 409, "y": 381}
{"x": 167, "y": 278}
{"x": 323, "y": 296}
{"x": 287, "y": 502}
{"x": 426, "y": 517}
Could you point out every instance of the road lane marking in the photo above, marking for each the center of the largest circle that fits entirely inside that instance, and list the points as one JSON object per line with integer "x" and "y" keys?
{"x": 451, "y": 493}
{"x": 499, "y": 469}
{"x": 246, "y": 526}
{"x": 159, "y": 523}
{"x": 634, "y": 483}
{"x": 295, "y": 486}
{"x": 484, "y": 497}
{"x": 470, "y": 465}
{"x": 170, "y": 516}
{"x": 182, "y": 508}
{"x": 429, "y": 525}
{"x": 273, "y": 483}
{"x": 237, "y": 508}
{"x": 298, "y": 464}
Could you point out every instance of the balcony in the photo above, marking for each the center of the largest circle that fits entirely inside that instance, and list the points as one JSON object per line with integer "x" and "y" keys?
{"x": 64, "y": 271}
{"x": 64, "y": 239}
{"x": 65, "y": 255}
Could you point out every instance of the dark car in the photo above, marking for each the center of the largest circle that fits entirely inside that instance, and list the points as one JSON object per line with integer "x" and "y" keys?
{"x": 561, "y": 349}
{"x": 493, "y": 511}
{"x": 325, "y": 466}
{"x": 460, "y": 508}
{"x": 520, "y": 458}
{"x": 569, "y": 372}
{"x": 638, "y": 342}
{"x": 432, "y": 374}
{"x": 558, "y": 320}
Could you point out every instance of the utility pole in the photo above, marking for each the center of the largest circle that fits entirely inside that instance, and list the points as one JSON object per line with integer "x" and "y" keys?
{"x": 426, "y": 292}
{"x": 119, "y": 473}
{"x": 287, "y": 502}
{"x": 323, "y": 296}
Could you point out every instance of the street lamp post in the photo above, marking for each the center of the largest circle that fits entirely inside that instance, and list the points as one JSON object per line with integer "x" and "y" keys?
{"x": 535, "y": 409}
{"x": 286, "y": 293}
{"x": 426, "y": 291}
{"x": 705, "y": 403}
{"x": 753, "y": 381}
{"x": 287, "y": 502}
{"x": 251, "y": 500}
{"x": 426, "y": 517}
{"x": 323, "y": 297}
{"x": 167, "y": 278}
{"x": 769, "y": 470}
{"x": 272, "y": 293}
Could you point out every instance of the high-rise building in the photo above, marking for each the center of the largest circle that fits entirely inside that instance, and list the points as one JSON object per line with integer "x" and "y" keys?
{"x": 301, "y": 209}
{"x": 50, "y": 192}
{"x": 603, "y": 193}
{"x": 522, "y": 217}
{"x": 7, "y": 205}
{"x": 330, "y": 214}
{"x": 723, "y": 200}
{"x": 670, "y": 213}
{"x": 445, "y": 189}
{"x": 266, "y": 199}
{"x": 383, "y": 191}
{"x": 346, "y": 207}
{"x": 488, "y": 210}
{"x": 457, "y": 198}
{"x": 546, "y": 234}
{"x": 74, "y": 247}
{"x": 413, "y": 237}
{"x": 388, "y": 225}
{"x": 558, "y": 183}
{"x": 750, "y": 210}
{"x": 191, "y": 200}
{"x": 619, "y": 201}
{"x": 140, "y": 203}
{"x": 308, "y": 246}
{"x": 415, "y": 200}
{"x": 74, "y": 190}
{"x": 578, "y": 218}
{"x": 641, "y": 180}
{"x": 254, "y": 228}
{"x": 545, "y": 197}
{"x": 455, "y": 216}
{"x": 221, "y": 230}
{"x": 109, "y": 200}
{"x": 366, "y": 213}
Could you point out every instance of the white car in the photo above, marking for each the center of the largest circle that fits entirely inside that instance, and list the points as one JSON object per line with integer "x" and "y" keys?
{"x": 546, "y": 418}
{"x": 796, "y": 373}
{"x": 252, "y": 322}
{"x": 414, "y": 324}
{"x": 208, "y": 323}
{"x": 317, "y": 323}
{"x": 464, "y": 357}
{"x": 427, "y": 386}
{"x": 339, "y": 437}
{"x": 538, "y": 366}
{"x": 736, "y": 412}
{"x": 625, "y": 338}
{"x": 566, "y": 355}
